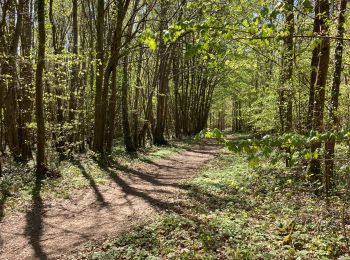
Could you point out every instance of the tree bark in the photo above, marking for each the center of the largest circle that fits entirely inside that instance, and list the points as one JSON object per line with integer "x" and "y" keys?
{"x": 129, "y": 146}
{"x": 286, "y": 92}
{"x": 11, "y": 107}
{"x": 320, "y": 84}
{"x": 60, "y": 135}
{"x": 136, "y": 107}
{"x": 111, "y": 112}
{"x": 176, "y": 92}
{"x": 163, "y": 82}
{"x": 314, "y": 67}
{"x": 39, "y": 89}
{"x": 98, "y": 131}
{"x": 334, "y": 103}
{"x": 25, "y": 103}
{"x": 74, "y": 84}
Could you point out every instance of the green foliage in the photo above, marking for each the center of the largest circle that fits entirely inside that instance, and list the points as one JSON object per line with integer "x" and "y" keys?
{"x": 149, "y": 39}
{"x": 289, "y": 146}
{"x": 307, "y": 5}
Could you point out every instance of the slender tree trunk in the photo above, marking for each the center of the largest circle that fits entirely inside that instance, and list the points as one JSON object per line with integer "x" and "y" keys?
{"x": 98, "y": 131}
{"x": 333, "y": 118}
{"x": 60, "y": 141}
{"x": 137, "y": 102}
{"x": 39, "y": 89}
{"x": 314, "y": 67}
{"x": 176, "y": 92}
{"x": 289, "y": 55}
{"x": 286, "y": 91}
{"x": 129, "y": 146}
{"x": 25, "y": 103}
{"x": 158, "y": 135}
{"x": 74, "y": 84}
{"x": 233, "y": 125}
{"x": 112, "y": 111}
{"x": 11, "y": 107}
{"x": 320, "y": 84}
{"x": 3, "y": 84}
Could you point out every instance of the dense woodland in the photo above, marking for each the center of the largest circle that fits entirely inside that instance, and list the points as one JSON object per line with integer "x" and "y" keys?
{"x": 268, "y": 79}
{"x": 79, "y": 75}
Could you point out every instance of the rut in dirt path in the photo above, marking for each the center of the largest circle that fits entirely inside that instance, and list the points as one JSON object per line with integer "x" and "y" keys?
{"x": 54, "y": 229}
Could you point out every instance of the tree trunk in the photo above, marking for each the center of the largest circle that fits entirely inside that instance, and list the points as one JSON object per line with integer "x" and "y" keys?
{"x": 39, "y": 89}
{"x": 287, "y": 66}
{"x": 60, "y": 138}
{"x": 25, "y": 103}
{"x": 112, "y": 112}
{"x": 129, "y": 146}
{"x": 10, "y": 68}
{"x": 136, "y": 107}
{"x": 176, "y": 92}
{"x": 286, "y": 91}
{"x": 333, "y": 118}
{"x": 320, "y": 84}
{"x": 158, "y": 135}
{"x": 314, "y": 68}
{"x": 74, "y": 84}
{"x": 98, "y": 131}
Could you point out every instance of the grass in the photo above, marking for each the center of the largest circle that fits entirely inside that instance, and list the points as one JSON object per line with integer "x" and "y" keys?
{"x": 235, "y": 212}
{"x": 84, "y": 170}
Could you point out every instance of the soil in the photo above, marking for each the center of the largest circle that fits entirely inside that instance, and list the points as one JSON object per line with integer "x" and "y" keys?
{"x": 60, "y": 229}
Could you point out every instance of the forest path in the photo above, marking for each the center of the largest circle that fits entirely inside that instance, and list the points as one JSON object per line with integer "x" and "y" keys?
{"x": 57, "y": 229}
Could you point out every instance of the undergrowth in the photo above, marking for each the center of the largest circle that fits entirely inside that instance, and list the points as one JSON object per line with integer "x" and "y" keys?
{"x": 241, "y": 213}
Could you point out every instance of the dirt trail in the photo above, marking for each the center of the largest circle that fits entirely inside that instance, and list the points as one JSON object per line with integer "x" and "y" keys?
{"x": 54, "y": 229}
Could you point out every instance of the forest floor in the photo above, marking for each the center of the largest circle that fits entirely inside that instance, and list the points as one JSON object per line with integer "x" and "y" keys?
{"x": 57, "y": 228}
{"x": 233, "y": 211}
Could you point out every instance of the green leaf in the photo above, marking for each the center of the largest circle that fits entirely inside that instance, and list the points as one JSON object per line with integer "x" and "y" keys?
{"x": 307, "y": 5}
{"x": 150, "y": 42}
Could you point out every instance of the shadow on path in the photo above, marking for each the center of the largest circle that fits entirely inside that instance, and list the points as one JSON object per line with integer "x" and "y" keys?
{"x": 151, "y": 178}
{"x": 34, "y": 218}
{"x": 49, "y": 230}
{"x": 129, "y": 190}
{"x": 101, "y": 200}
